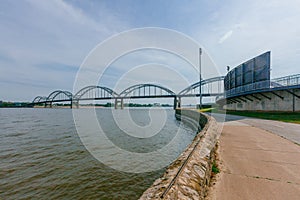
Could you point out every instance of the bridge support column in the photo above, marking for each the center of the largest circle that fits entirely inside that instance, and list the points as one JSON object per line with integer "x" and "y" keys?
{"x": 75, "y": 104}
{"x": 177, "y": 103}
{"x": 119, "y": 101}
{"x": 49, "y": 103}
{"x": 116, "y": 103}
{"x": 122, "y": 103}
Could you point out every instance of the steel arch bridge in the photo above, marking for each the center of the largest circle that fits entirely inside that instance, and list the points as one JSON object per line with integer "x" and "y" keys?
{"x": 58, "y": 96}
{"x": 209, "y": 87}
{"x": 147, "y": 91}
{"x": 39, "y": 99}
{"x": 93, "y": 92}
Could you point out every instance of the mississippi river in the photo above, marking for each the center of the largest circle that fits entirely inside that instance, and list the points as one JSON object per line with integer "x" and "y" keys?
{"x": 42, "y": 156}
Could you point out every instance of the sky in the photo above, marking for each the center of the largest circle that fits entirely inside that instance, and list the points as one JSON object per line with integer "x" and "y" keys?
{"x": 43, "y": 43}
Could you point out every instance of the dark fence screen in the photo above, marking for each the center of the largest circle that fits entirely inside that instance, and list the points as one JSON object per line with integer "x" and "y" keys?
{"x": 250, "y": 75}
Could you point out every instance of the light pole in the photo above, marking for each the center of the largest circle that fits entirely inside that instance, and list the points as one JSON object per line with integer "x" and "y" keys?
{"x": 200, "y": 79}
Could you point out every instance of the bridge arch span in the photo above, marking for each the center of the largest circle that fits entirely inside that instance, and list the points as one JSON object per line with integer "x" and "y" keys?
{"x": 39, "y": 99}
{"x": 56, "y": 93}
{"x": 95, "y": 91}
{"x": 147, "y": 90}
{"x": 58, "y": 96}
{"x": 214, "y": 87}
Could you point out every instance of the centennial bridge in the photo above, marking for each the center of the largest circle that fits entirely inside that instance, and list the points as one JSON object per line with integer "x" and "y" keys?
{"x": 211, "y": 87}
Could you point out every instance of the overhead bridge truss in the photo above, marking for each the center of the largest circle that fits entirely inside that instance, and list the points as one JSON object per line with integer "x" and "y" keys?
{"x": 209, "y": 87}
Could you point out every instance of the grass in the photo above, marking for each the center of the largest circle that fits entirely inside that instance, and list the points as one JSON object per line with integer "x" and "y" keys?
{"x": 279, "y": 116}
{"x": 292, "y": 117}
{"x": 215, "y": 168}
{"x": 206, "y": 109}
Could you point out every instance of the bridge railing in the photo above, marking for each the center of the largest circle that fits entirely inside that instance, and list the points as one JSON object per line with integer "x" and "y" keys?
{"x": 286, "y": 81}
{"x": 247, "y": 88}
{"x": 263, "y": 85}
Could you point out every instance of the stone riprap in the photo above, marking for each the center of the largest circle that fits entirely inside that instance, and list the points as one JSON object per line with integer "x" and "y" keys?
{"x": 188, "y": 176}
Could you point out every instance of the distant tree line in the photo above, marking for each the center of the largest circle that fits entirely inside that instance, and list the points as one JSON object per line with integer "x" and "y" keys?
{"x": 4, "y": 104}
{"x": 26, "y": 104}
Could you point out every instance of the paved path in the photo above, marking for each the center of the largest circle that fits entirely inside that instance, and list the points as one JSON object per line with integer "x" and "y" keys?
{"x": 257, "y": 164}
{"x": 289, "y": 131}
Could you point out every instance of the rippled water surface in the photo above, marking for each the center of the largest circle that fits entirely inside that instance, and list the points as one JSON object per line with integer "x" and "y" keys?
{"x": 42, "y": 157}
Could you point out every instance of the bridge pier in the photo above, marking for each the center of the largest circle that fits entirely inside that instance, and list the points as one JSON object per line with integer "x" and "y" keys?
{"x": 116, "y": 103}
{"x": 121, "y": 101}
{"x": 177, "y": 103}
{"x": 46, "y": 104}
{"x": 75, "y": 104}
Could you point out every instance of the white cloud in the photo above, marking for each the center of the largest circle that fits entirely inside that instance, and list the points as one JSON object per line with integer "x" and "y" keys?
{"x": 225, "y": 36}
{"x": 247, "y": 31}
{"x": 41, "y": 32}
{"x": 44, "y": 32}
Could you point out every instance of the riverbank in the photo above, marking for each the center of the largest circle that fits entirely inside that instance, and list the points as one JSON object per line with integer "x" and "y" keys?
{"x": 188, "y": 177}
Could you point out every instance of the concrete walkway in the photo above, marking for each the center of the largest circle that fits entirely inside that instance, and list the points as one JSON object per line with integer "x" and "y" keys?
{"x": 256, "y": 164}
{"x": 289, "y": 131}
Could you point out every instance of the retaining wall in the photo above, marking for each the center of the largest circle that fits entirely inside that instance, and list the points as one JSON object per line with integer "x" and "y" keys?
{"x": 188, "y": 177}
{"x": 268, "y": 101}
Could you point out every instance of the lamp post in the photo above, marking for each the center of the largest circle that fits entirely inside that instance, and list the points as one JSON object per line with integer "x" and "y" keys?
{"x": 200, "y": 79}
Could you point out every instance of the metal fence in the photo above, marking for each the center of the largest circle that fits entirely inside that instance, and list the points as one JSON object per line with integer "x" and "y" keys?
{"x": 286, "y": 81}
{"x": 247, "y": 88}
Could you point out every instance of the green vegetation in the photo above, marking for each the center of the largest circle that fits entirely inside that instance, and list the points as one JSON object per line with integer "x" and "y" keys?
{"x": 206, "y": 109}
{"x": 215, "y": 168}
{"x": 292, "y": 117}
{"x": 4, "y": 104}
{"x": 111, "y": 105}
{"x": 146, "y": 105}
{"x": 135, "y": 105}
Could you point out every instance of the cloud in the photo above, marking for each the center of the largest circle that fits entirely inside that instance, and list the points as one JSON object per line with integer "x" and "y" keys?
{"x": 41, "y": 41}
{"x": 225, "y": 36}
{"x": 44, "y": 42}
{"x": 59, "y": 67}
{"x": 261, "y": 27}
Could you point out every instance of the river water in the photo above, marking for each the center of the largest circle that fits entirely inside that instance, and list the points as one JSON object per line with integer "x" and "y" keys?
{"x": 42, "y": 156}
